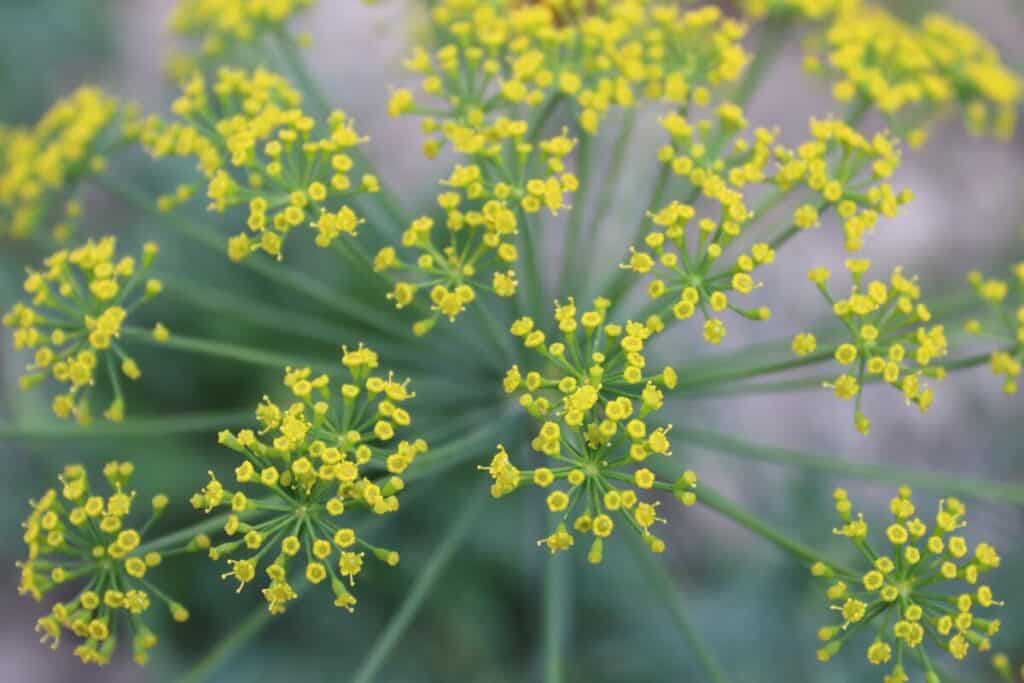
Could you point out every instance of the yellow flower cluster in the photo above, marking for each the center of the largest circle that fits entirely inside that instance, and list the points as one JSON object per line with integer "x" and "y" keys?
{"x": 255, "y": 146}
{"x": 77, "y": 536}
{"x": 889, "y": 338}
{"x": 80, "y": 301}
{"x": 815, "y": 10}
{"x": 1001, "y": 663}
{"x": 910, "y": 72}
{"x": 682, "y": 264}
{"x": 848, "y": 173}
{"x": 41, "y": 167}
{"x": 1005, "y": 299}
{"x": 222, "y": 24}
{"x": 483, "y": 205}
{"x": 927, "y": 583}
{"x": 318, "y": 459}
{"x": 502, "y": 55}
{"x": 595, "y": 397}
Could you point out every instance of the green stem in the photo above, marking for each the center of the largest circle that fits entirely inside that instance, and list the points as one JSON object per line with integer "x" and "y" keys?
{"x": 714, "y": 379}
{"x": 571, "y": 258}
{"x": 662, "y": 583}
{"x": 772, "y": 40}
{"x": 417, "y": 595}
{"x": 240, "y": 635}
{"x": 748, "y": 521}
{"x": 136, "y": 427}
{"x": 556, "y": 616}
{"x": 218, "y": 349}
{"x": 609, "y": 189}
{"x": 943, "y": 484}
{"x": 533, "y": 298}
{"x": 333, "y": 299}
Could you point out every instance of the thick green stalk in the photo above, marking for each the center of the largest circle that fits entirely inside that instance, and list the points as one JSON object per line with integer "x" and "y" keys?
{"x": 714, "y": 379}
{"x": 609, "y": 189}
{"x": 965, "y": 487}
{"x": 134, "y": 427}
{"x": 426, "y": 577}
{"x": 572, "y": 260}
{"x": 556, "y": 616}
{"x": 218, "y": 349}
{"x": 532, "y": 299}
{"x": 663, "y": 585}
{"x": 772, "y": 40}
{"x": 724, "y": 506}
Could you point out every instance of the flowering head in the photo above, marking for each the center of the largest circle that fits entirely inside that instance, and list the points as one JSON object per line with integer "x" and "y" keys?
{"x": 924, "y": 587}
{"x": 42, "y": 167}
{"x": 475, "y": 249}
{"x": 1005, "y": 301}
{"x": 847, "y": 172}
{"x": 321, "y": 459}
{"x": 77, "y": 536}
{"x": 889, "y": 338}
{"x": 500, "y": 56}
{"x": 80, "y": 301}
{"x": 594, "y": 397}
{"x": 222, "y": 25}
{"x": 256, "y": 147}
{"x": 910, "y": 73}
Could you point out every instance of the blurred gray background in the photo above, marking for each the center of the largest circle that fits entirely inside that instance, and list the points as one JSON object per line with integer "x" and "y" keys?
{"x": 482, "y": 622}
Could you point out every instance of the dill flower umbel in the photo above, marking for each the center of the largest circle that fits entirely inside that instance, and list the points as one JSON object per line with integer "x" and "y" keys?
{"x": 501, "y": 56}
{"x": 42, "y": 167}
{"x": 925, "y": 586}
{"x": 77, "y": 536}
{"x": 225, "y": 24}
{"x": 889, "y": 338}
{"x": 256, "y": 147}
{"x": 595, "y": 397}
{"x": 911, "y": 72}
{"x": 1005, "y": 300}
{"x": 848, "y": 173}
{"x": 483, "y": 208}
{"x": 80, "y": 301}
{"x": 321, "y": 461}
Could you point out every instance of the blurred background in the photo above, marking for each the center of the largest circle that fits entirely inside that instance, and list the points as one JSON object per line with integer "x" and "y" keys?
{"x": 482, "y": 621}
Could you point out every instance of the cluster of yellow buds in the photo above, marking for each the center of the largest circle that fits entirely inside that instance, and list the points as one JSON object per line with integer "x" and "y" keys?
{"x": 77, "y": 536}
{"x": 483, "y": 206}
{"x": 255, "y": 146}
{"x": 889, "y": 338}
{"x": 80, "y": 301}
{"x": 911, "y": 71}
{"x": 503, "y": 55}
{"x": 222, "y": 25}
{"x": 926, "y": 584}
{"x": 595, "y": 406}
{"x": 847, "y": 172}
{"x": 318, "y": 459}
{"x": 1006, "y": 301}
{"x": 815, "y": 10}
{"x": 42, "y": 167}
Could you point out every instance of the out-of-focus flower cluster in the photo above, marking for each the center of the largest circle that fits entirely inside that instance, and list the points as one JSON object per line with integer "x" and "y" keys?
{"x": 889, "y": 338}
{"x": 926, "y": 586}
{"x": 595, "y": 396}
{"x": 76, "y": 536}
{"x": 911, "y": 72}
{"x": 501, "y": 56}
{"x": 80, "y": 301}
{"x": 42, "y": 167}
{"x": 256, "y": 147}
{"x": 1005, "y": 299}
{"x": 316, "y": 461}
